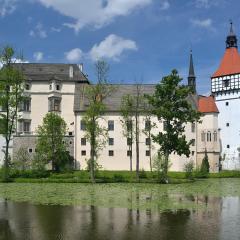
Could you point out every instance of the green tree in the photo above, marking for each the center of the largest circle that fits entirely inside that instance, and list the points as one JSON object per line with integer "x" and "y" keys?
{"x": 11, "y": 95}
{"x": 205, "y": 165}
{"x": 51, "y": 147}
{"x": 171, "y": 105}
{"x": 96, "y": 134}
{"x": 127, "y": 103}
{"x": 149, "y": 125}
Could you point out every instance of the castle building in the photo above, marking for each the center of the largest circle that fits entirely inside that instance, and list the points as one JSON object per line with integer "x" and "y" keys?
{"x": 225, "y": 87}
{"x": 60, "y": 88}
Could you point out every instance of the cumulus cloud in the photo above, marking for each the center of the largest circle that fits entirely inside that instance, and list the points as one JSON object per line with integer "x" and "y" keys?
{"x": 74, "y": 55}
{"x": 96, "y": 13}
{"x": 204, "y": 23}
{"x": 38, "y": 31}
{"x": 7, "y": 7}
{"x": 54, "y": 29}
{"x": 38, "y": 56}
{"x": 111, "y": 47}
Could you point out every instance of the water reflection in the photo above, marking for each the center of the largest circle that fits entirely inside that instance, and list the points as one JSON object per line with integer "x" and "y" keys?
{"x": 23, "y": 221}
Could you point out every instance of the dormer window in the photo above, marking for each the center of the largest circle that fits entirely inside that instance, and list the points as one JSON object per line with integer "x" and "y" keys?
{"x": 58, "y": 87}
{"x": 71, "y": 71}
{"x": 50, "y": 86}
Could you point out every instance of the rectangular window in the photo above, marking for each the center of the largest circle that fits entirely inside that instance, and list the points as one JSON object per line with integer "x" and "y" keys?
{"x": 148, "y": 141}
{"x": 83, "y": 152}
{"x": 129, "y": 125}
{"x": 30, "y": 150}
{"x": 129, "y": 141}
{"x": 54, "y": 104}
{"x": 83, "y": 141}
{"x": 227, "y": 124}
{"x": 111, "y": 141}
{"x": 82, "y": 125}
{"x": 27, "y": 105}
{"x": 227, "y": 103}
{"x": 27, "y": 86}
{"x": 111, "y": 153}
{"x": 193, "y": 142}
{"x": 193, "y": 153}
{"x": 129, "y": 153}
{"x": 147, "y": 125}
{"x": 70, "y": 133}
{"x": 193, "y": 127}
{"x": 228, "y": 146}
{"x": 215, "y": 136}
{"x": 147, "y": 153}
{"x": 26, "y": 126}
{"x": 110, "y": 125}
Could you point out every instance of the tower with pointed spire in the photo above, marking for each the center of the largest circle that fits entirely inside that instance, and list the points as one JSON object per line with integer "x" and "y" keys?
{"x": 225, "y": 84}
{"x": 231, "y": 40}
{"x": 191, "y": 75}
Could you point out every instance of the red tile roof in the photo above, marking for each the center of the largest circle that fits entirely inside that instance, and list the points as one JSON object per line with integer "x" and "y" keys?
{"x": 230, "y": 63}
{"x": 207, "y": 105}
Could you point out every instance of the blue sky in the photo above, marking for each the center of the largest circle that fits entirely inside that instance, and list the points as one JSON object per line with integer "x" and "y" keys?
{"x": 142, "y": 40}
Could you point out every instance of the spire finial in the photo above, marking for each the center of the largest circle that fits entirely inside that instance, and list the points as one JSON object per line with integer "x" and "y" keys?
{"x": 231, "y": 38}
{"x": 191, "y": 75}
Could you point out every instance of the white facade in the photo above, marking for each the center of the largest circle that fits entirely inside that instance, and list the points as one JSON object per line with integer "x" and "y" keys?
{"x": 60, "y": 93}
{"x": 228, "y": 105}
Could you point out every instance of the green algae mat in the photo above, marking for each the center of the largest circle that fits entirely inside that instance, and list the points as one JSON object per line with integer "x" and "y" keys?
{"x": 158, "y": 197}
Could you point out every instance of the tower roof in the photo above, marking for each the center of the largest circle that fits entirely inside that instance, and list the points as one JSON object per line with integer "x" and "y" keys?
{"x": 230, "y": 63}
{"x": 191, "y": 67}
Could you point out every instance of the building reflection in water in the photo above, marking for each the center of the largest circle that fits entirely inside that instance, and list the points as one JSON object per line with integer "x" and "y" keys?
{"x": 23, "y": 221}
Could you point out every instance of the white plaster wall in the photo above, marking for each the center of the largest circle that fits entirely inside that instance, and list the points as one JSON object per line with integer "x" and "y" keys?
{"x": 120, "y": 160}
{"x": 229, "y": 135}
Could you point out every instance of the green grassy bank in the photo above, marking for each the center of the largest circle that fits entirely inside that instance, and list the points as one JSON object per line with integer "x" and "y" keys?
{"x": 108, "y": 176}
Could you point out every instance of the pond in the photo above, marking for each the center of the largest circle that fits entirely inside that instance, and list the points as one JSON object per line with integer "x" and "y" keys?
{"x": 208, "y": 209}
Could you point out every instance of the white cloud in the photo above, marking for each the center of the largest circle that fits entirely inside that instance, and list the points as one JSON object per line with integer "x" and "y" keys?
{"x": 208, "y": 3}
{"x": 38, "y": 31}
{"x": 7, "y": 7}
{"x": 96, "y": 13}
{"x": 38, "y": 56}
{"x": 74, "y": 55}
{"x": 54, "y": 29}
{"x": 165, "y": 5}
{"x": 204, "y": 23}
{"x": 111, "y": 47}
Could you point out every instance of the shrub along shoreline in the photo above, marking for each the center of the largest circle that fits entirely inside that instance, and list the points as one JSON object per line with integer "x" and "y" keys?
{"x": 103, "y": 176}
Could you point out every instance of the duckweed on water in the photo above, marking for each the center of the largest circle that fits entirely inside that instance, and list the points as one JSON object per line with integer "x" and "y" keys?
{"x": 134, "y": 196}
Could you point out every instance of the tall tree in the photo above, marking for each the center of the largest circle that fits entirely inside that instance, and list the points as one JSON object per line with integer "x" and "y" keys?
{"x": 127, "y": 103}
{"x": 96, "y": 134}
{"x": 11, "y": 95}
{"x": 133, "y": 107}
{"x": 51, "y": 146}
{"x": 171, "y": 105}
{"x": 149, "y": 125}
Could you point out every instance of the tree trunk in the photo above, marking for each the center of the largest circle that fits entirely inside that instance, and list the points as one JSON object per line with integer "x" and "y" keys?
{"x": 150, "y": 151}
{"x": 137, "y": 146}
{"x": 92, "y": 155}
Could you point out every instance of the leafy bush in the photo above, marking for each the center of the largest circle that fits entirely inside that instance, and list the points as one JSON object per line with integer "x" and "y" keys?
{"x": 188, "y": 168}
{"x": 15, "y": 173}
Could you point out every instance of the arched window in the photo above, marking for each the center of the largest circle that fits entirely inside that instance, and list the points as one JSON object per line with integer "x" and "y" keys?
{"x": 209, "y": 136}
{"x": 215, "y": 136}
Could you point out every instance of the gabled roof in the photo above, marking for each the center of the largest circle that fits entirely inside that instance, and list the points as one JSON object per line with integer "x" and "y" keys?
{"x": 50, "y": 71}
{"x": 230, "y": 63}
{"x": 207, "y": 105}
{"x": 113, "y": 102}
